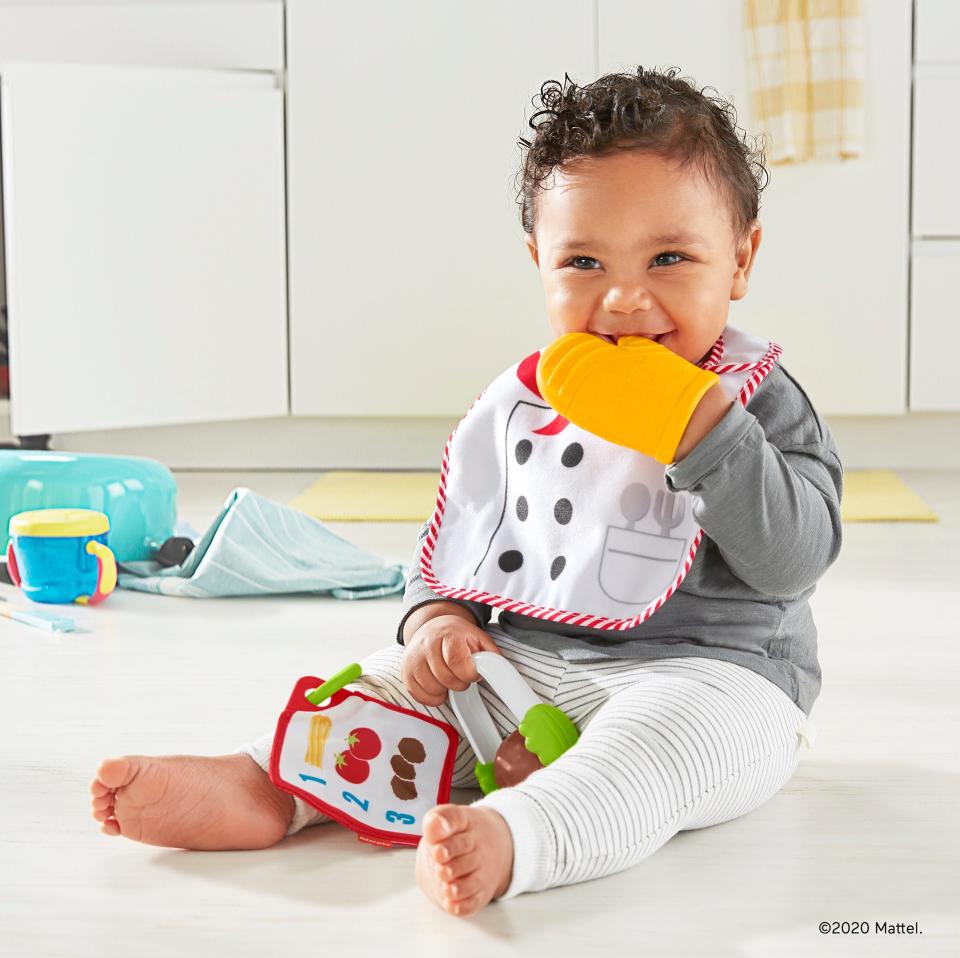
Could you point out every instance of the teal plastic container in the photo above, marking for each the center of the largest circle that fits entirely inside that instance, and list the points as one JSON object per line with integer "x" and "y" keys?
{"x": 138, "y": 496}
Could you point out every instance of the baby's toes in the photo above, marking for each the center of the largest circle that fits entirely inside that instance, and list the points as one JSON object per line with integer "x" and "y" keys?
{"x": 465, "y": 907}
{"x": 464, "y": 887}
{"x": 110, "y": 827}
{"x": 452, "y": 847}
{"x": 97, "y": 788}
{"x": 102, "y": 807}
{"x": 117, "y": 772}
{"x": 443, "y": 822}
{"x": 463, "y": 865}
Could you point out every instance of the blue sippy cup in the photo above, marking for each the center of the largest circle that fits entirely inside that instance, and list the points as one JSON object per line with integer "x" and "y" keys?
{"x": 61, "y": 555}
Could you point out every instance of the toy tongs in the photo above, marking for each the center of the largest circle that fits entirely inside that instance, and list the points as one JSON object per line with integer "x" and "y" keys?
{"x": 546, "y": 730}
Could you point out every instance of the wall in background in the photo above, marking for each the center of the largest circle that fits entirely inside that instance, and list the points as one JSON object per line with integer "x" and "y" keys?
{"x": 915, "y": 440}
{"x": 912, "y": 439}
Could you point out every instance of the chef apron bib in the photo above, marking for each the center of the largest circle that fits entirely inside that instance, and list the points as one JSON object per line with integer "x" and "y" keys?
{"x": 539, "y": 517}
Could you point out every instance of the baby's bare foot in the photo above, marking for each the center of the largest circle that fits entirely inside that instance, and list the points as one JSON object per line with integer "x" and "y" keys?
{"x": 465, "y": 857}
{"x": 190, "y": 801}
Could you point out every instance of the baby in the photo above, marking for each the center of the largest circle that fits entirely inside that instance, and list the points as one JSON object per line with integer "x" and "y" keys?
{"x": 639, "y": 203}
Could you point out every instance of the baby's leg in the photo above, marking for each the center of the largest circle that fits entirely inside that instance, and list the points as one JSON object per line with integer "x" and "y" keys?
{"x": 465, "y": 857}
{"x": 665, "y": 746}
{"x": 221, "y": 802}
{"x": 228, "y": 801}
{"x": 189, "y": 801}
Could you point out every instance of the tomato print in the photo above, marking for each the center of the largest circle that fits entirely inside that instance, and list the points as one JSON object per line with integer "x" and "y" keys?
{"x": 350, "y": 768}
{"x": 363, "y": 743}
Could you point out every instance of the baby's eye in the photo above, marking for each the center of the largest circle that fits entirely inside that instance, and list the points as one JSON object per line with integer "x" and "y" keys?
{"x": 590, "y": 259}
{"x": 668, "y": 254}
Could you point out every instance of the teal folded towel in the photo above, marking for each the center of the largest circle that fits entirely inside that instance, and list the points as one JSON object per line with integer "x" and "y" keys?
{"x": 259, "y": 547}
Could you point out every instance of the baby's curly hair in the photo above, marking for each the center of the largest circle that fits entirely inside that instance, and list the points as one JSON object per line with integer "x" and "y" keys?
{"x": 649, "y": 111}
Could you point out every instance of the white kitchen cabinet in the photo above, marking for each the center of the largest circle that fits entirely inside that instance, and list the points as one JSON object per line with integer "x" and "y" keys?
{"x": 144, "y": 220}
{"x": 143, "y": 188}
{"x": 212, "y": 34}
{"x": 935, "y": 318}
{"x": 937, "y": 28}
{"x": 935, "y": 263}
{"x": 936, "y": 145}
{"x": 410, "y": 283}
{"x": 830, "y": 281}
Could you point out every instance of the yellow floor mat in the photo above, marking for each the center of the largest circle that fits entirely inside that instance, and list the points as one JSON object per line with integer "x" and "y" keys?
{"x": 879, "y": 495}
{"x": 371, "y": 496}
{"x": 872, "y": 495}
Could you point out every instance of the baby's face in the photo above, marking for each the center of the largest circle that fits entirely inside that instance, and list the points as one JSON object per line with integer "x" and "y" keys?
{"x": 615, "y": 246}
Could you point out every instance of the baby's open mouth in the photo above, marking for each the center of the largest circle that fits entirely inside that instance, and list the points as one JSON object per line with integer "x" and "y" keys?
{"x": 656, "y": 337}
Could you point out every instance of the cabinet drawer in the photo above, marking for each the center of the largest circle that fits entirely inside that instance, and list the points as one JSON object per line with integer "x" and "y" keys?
{"x": 937, "y": 31}
{"x": 218, "y": 35}
{"x": 934, "y": 315}
{"x": 936, "y": 145}
{"x": 144, "y": 218}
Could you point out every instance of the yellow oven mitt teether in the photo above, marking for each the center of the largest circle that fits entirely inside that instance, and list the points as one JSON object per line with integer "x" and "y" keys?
{"x": 636, "y": 393}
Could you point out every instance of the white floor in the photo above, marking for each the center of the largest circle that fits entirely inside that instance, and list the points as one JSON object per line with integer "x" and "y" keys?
{"x": 865, "y": 832}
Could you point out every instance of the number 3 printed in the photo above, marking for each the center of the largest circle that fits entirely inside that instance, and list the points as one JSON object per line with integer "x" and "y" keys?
{"x": 400, "y": 817}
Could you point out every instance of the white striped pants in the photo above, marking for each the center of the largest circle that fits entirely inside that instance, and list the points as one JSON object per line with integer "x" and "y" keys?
{"x": 665, "y": 746}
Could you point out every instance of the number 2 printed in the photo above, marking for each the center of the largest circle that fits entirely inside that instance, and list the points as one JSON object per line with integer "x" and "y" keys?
{"x": 364, "y": 803}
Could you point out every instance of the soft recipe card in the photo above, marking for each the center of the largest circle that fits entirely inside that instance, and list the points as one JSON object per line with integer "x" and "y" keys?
{"x": 372, "y": 766}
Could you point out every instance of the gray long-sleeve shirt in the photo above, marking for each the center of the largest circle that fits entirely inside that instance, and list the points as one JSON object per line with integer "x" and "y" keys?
{"x": 766, "y": 484}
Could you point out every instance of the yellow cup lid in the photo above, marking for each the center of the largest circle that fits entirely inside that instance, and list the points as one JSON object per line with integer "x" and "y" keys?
{"x": 59, "y": 522}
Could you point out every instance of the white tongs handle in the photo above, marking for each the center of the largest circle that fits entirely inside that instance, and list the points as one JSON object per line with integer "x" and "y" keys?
{"x": 472, "y": 714}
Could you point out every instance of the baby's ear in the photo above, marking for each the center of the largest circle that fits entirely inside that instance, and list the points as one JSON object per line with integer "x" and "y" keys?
{"x": 746, "y": 256}
{"x": 532, "y": 247}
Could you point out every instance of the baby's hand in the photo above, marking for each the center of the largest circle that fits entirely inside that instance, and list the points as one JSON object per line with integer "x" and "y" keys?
{"x": 438, "y": 657}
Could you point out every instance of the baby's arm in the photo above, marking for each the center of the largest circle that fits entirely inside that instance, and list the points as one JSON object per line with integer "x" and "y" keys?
{"x": 766, "y": 483}
{"x": 711, "y": 409}
{"x": 424, "y": 613}
{"x": 439, "y": 657}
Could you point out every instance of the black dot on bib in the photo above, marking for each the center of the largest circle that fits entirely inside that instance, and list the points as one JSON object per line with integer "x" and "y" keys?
{"x": 556, "y": 567}
{"x": 563, "y": 511}
{"x": 523, "y": 450}
{"x": 511, "y": 560}
{"x": 572, "y": 455}
{"x": 523, "y": 510}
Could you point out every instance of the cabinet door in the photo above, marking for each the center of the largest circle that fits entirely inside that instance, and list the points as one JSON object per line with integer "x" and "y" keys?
{"x": 830, "y": 281}
{"x": 144, "y": 215}
{"x": 936, "y": 141}
{"x": 937, "y": 29}
{"x": 410, "y": 283}
{"x": 933, "y": 326}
